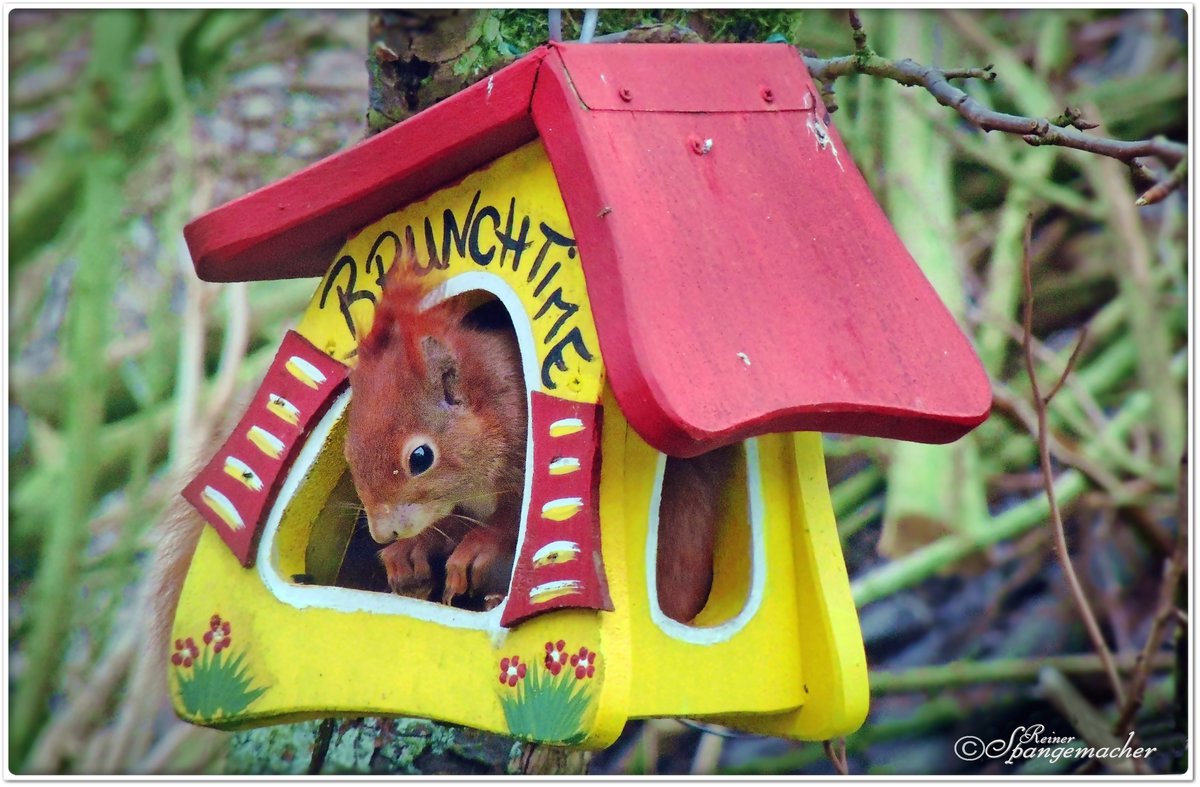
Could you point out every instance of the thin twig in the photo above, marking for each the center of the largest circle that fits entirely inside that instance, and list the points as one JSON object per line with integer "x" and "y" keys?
{"x": 1084, "y": 718}
{"x": 1060, "y": 536}
{"x": 1173, "y": 572}
{"x": 1083, "y": 334}
{"x": 1069, "y": 132}
{"x": 858, "y": 34}
{"x": 837, "y": 755}
{"x": 1007, "y": 401}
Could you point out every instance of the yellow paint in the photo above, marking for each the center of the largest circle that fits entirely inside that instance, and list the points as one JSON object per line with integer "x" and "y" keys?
{"x": 223, "y": 507}
{"x": 238, "y": 469}
{"x": 520, "y": 186}
{"x": 284, "y": 409}
{"x": 795, "y": 667}
{"x": 566, "y": 427}
{"x": 555, "y": 553}
{"x": 563, "y": 509}
{"x": 564, "y": 466}
{"x": 268, "y": 443}
{"x": 548, "y": 591}
{"x": 305, "y": 372}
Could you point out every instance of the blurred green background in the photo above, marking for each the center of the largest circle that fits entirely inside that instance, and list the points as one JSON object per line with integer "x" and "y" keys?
{"x": 124, "y": 125}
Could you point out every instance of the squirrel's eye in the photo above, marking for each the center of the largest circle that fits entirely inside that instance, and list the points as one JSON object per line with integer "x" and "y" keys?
{"x": 420, "y": 460}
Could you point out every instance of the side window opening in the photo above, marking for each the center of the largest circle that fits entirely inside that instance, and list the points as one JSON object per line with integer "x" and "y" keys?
{"x": 715, "y": 483}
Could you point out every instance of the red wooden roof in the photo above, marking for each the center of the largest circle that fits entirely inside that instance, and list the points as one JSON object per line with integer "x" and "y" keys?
{"x": 742, "y": 276}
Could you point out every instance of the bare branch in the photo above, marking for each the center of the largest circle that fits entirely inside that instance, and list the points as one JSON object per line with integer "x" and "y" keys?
{"x": 836, "y": 752}
{"x": 1173, "y": 572}
{"x": 859, "y": 35}
{"x": 1070, "y": 365}
{"x": 1066, "y": 130}
{"x": 1060, "y": 536}
{"x": 1035, "y": 131}
{"x": 1164, "y": 187}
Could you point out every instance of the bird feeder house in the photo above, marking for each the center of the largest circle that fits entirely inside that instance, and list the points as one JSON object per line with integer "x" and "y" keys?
{"x": 690, "y": 259}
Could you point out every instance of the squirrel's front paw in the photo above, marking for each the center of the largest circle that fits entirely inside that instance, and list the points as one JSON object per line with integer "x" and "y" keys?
{"x": 409, "y": 567}
{"x": 480, "y": 566}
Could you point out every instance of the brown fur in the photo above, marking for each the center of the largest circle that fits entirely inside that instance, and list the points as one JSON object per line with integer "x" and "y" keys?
{"x": 423, "y": 377}
{"x": 400, "y": 390}
{"x": 687, "y": 518}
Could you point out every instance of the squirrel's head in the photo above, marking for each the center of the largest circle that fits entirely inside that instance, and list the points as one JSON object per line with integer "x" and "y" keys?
{"x": 415, "y": 447}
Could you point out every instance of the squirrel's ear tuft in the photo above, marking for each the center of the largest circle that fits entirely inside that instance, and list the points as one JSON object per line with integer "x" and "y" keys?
{"x": 442, "y": 368}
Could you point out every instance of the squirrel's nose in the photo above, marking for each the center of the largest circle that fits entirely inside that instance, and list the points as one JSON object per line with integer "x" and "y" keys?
{"x": 382, "y": 525}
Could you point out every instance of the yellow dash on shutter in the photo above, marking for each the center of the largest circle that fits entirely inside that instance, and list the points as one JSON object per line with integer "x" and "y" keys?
{"x": 562, "y": 508}
{"x": 556, "y": 552}
{"x": 268, "y": 443}
{"x": 564, "y": 465}
{"x": 222, "y": 507}
{"x": 283, "y": 408}
{"x": 565, "y": 426}
{"x": 304, "y": 371}
{"x": 238, "y": 469}
{"x": 551, "y": 590}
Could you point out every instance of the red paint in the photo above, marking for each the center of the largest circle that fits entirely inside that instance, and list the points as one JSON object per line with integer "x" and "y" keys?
{"x": 758, "y": 246}
{"x": 764, "y": 249}
{"x": 310, "y": 404}
{"x": 585, "y": 567}
{"x": 293, "y": 227}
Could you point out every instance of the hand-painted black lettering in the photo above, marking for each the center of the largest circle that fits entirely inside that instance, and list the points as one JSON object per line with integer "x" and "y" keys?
{"x": 556, "y": 358}
{"x": 375, "y": 256}
{"x": 537, "y": 291}
{"x": 431, "y": 251}
{"x": 477, "y": 255}
{"x": 552, "y": 238}
{"x": 451, "y": 231}
{"x": 508, "y": 243}
{"x": 347, "y": 295}
{"x": 566, "y": 307}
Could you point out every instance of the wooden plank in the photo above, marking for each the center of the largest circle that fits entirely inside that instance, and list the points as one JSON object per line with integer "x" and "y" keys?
{"x": 687, "y": 78}
{"x": 744, "y": 278}
{"x": 293, "y": 227}
{"x": 235, "y": 490}
{"x": 560, "y": 564}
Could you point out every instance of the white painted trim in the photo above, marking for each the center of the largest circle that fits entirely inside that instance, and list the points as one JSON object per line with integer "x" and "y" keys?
{"x": 347, "y": 599}
{"x": 710, "y": 635}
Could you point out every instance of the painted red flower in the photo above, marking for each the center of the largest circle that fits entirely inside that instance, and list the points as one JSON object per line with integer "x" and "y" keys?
{"x": 556, "y": 656}
{"x": 584, "y": 663}
{"x": 185, "y": 652}
{"x": 217, "y": 634}
{"x": 512, "y": 670}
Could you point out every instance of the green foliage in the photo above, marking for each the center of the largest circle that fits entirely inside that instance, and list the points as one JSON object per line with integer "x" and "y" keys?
{"x": 101, "y": 191}
{"x": 217, "y": 685}
{"x": 547, "y": 708}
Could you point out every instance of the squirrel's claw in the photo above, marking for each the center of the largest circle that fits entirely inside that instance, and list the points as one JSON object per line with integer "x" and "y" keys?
{"x": 480, "y": 566}
{"x": 409, "y": 569}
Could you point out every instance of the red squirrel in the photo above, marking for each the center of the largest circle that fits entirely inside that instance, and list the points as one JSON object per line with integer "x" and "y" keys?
{"x": 436, "y": 448}
{"x": 435, "y": 443}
